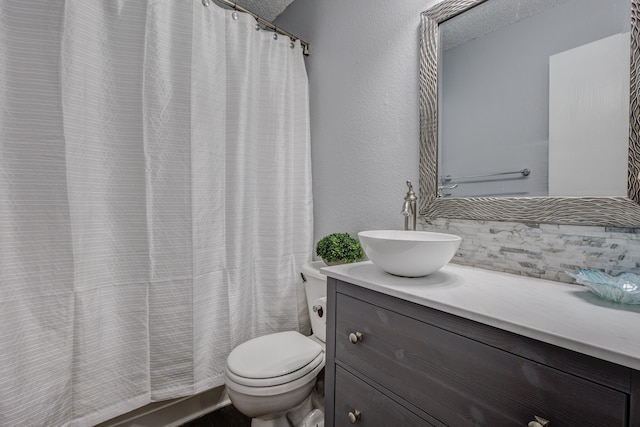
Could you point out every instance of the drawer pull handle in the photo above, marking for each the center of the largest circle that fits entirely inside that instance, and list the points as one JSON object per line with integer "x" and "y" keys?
{"x": 354, "y": 416}
{"x": 355, "y": 337}
{"x": 539, "y": 422}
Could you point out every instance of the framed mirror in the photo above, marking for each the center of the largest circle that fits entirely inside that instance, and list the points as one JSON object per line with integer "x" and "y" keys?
{"x": 438, "y": 198}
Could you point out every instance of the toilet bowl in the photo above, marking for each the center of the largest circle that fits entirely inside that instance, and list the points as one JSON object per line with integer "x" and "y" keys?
{"x": 271, "y": 378}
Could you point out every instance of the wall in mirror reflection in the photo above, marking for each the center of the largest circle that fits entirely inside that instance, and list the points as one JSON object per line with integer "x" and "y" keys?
{"x": 547, "y": 92}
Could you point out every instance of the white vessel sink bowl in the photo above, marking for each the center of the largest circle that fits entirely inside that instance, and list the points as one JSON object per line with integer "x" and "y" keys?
{"x": 409, "y": 253}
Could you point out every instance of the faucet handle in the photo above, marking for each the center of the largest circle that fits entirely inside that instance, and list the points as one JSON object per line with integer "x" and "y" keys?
{"x": 411, "y": 196}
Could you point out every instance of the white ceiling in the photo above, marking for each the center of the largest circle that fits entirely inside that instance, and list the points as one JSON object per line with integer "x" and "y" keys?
{"x": 268, "y": 9}
{"x": 488, "y": 17}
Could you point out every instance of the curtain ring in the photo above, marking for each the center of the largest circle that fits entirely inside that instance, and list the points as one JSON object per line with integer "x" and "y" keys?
{"x": 275, "y": 36}
{"x": 292, "y": 45}
{"x": 206, "y": 3}
{"x": 257, "y": 27}
{"x": 234, "y": 15}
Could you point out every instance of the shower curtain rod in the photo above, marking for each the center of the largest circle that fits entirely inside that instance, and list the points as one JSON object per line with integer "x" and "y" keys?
{"x": 262, "y": 21}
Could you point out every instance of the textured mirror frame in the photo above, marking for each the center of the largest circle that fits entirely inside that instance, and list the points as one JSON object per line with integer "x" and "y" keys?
{"x": 602, "y": 211}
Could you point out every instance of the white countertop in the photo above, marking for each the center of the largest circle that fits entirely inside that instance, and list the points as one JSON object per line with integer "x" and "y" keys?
{"x": 568, "y": 316}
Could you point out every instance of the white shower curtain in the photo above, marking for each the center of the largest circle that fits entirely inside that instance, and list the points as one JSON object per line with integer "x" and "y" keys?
{"x": 155, "y": 191}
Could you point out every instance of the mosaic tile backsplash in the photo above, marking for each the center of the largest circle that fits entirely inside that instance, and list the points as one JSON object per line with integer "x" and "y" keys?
{"x": 542, "y": 250}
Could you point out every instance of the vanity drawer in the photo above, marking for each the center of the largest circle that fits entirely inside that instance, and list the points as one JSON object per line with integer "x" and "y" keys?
{"x": 374, "y": 408}
{"x": 450, "y": 376}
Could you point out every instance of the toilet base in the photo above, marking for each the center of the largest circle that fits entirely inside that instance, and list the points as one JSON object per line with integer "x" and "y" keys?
{"x": 314, "y": 419}
{"x": 300, "y": 412}
{"x": 274, "y": 422}
{"x": 303, "y": 415}
{"x": 294, "y": 417}
{"x": 270, "y": 407}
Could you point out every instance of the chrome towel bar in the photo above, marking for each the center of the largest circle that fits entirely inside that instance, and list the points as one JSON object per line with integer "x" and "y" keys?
{"x": 523, "y": 172}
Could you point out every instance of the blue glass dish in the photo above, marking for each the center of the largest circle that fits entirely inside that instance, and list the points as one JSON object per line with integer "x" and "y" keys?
{"x": 624, "y": 289}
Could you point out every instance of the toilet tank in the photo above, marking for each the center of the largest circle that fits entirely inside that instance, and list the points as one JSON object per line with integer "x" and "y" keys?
{"x": 315, "y": 286}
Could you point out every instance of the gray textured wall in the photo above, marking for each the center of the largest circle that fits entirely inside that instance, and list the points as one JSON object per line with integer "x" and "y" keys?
{"x": 363, "y": 74}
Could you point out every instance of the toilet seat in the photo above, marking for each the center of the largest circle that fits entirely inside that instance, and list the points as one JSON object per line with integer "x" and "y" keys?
{"x": 318, "y": 361}
{"x": 305, "y": 381}
{"x": 275, "y": 359}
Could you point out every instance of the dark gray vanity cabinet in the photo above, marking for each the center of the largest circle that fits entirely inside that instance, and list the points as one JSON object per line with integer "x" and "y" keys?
{"x": 392, "y": 362}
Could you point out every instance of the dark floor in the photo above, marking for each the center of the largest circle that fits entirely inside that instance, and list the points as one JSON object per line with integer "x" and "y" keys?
{"x": 223, "y": 417}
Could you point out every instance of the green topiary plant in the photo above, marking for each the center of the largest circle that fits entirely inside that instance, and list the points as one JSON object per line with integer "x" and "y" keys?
{"x": 339, "y": 248}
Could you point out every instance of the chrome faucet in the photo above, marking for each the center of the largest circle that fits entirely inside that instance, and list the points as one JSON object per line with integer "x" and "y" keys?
{"x": 409, "y": 208}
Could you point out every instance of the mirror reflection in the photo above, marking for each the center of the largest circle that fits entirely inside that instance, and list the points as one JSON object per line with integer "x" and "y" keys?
{"x": 533, "y": 99}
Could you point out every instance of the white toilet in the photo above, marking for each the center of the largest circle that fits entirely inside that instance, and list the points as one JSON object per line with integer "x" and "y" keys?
{"x": 271, "y": 378}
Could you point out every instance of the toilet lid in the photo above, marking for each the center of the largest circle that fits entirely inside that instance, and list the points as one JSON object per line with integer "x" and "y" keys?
{"x": 273, "y": 355}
